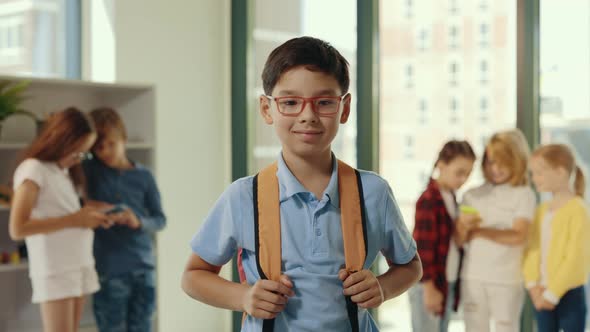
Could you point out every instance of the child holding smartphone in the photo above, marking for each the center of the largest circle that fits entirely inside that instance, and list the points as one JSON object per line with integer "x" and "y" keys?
{"x": 124, "y": 258}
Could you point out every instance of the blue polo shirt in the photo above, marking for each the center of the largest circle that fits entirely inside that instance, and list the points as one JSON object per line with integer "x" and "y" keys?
{"x": 312, "y": 245}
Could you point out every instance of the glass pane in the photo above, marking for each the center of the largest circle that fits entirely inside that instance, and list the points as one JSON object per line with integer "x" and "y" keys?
{"x": 279, "y": 21}
{"x": 448, "y": 70}
{"x": 565, "y": 81}
{"x": 565, "y": 76}
{"x": 33, "y": 38}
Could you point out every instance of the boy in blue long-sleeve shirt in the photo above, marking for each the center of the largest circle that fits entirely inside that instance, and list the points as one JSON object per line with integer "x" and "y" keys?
{"x": 123, "y": 253}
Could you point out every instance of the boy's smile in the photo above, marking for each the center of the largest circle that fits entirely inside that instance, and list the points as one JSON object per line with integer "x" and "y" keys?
{"x": 308, "y": 136}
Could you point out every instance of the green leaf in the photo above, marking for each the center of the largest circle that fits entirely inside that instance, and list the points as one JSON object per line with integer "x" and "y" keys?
{"x": 12, "y": 96}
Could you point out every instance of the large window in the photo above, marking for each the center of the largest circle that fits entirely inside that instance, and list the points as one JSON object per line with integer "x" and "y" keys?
{"x": 453, "y": 94}
{"x": 565, "y": 76}
{"x": 447, "y": 70}
{"x": 39, "y": 38}
{"x": 565, "y": 80}
{"x": 276, "y": 22}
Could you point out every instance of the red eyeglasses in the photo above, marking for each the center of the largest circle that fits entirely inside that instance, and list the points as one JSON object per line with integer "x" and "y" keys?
{"x": 294, "y": 105}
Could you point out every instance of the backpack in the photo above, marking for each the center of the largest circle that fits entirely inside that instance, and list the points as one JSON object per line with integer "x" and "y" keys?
{"x": 268, "y": 228}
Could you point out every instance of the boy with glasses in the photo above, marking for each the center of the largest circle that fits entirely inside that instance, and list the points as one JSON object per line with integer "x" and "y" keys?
{"x": 306, "y": 99}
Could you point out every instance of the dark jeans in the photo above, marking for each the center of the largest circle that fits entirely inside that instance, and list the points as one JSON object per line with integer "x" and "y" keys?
{"x": 125, "y": 303}
{"x": 569, "y": 315}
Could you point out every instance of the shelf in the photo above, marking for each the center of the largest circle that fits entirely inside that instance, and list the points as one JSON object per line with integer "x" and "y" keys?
{"x": 139, "y": 146}
{"x": 77, "y": 84}
{"x": 135, "y": 103}
{"x": 21, "y": 145}
{"x": 13, "y": 145}
{"x": 14, "y": 267}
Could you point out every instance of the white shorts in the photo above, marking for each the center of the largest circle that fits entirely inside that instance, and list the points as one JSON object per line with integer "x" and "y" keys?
{"x": 65, "y": 285}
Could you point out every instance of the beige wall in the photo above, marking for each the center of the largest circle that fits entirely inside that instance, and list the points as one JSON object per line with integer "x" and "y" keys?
{"x": 183, "y": 47}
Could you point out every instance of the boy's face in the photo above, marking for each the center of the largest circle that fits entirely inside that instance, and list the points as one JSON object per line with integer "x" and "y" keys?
{"x": 111, "y": 149}
{"x": 308, "y": 133}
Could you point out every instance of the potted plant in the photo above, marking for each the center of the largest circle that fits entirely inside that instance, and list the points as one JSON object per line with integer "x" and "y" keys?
{"x": 11, "y": 98}
{"x": 5, "y": 195}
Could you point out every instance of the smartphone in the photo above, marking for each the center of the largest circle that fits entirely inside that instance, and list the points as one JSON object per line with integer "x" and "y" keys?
{"x": 468, "y": 209}
{"x": 116, "y": 209}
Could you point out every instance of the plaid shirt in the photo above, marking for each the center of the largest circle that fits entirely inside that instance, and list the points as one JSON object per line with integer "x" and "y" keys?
{"x": 432, "y": 231}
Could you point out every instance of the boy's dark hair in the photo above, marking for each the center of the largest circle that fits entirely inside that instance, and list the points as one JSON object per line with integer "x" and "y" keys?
{"x": 315, "y": 54}
{"x": 107, "y": 119}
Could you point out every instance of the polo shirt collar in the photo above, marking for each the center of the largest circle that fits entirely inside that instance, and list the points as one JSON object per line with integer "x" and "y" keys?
{"x": 290, "y": 186}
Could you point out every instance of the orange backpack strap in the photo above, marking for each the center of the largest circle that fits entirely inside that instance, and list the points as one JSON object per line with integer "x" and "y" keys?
{"x": 267, "y": 228}
{"x": 267, "y": 223}
{"x": 354, "y": 229}
{"x": 352, "y": 217}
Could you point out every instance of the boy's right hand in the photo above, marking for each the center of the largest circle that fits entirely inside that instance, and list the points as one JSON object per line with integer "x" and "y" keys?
{"x": 91, "y": 217}
{"x": 266, "y": 298}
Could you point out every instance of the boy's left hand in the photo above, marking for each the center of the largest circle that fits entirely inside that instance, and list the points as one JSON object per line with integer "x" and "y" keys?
{"x": 127, "y": 218}
{"x": 363, "y": 287}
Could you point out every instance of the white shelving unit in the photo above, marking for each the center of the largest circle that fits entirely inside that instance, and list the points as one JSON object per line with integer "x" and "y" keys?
{"x": 136, "y": 105}
{"x": 130, "y": 146}
{"x": 13, "y": 267}
{"x": 12, "y": 146}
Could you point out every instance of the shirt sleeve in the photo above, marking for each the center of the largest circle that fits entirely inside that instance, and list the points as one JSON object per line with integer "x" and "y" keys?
{"x": 218, "y": 239}
{"x": 426, "y": 236}
{"x": 398, "y": 245}
{"x": 30, "y": 169}
{"x": 526, "y": 205}
{"x": 155, "y": 220}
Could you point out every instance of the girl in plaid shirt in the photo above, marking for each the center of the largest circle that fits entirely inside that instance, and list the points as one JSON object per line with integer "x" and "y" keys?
{"x": 436, "y": 210}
